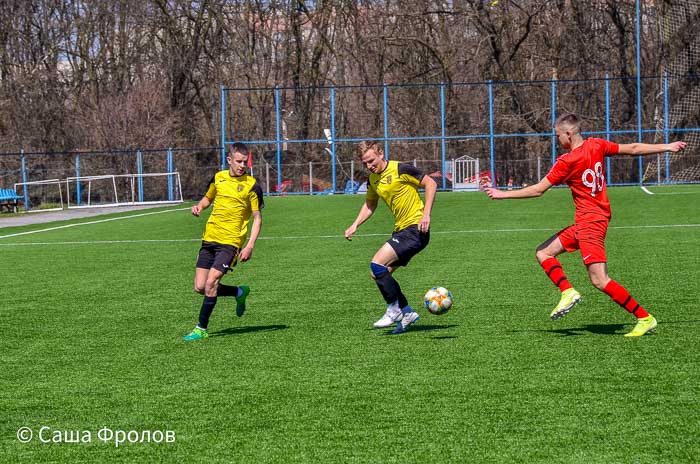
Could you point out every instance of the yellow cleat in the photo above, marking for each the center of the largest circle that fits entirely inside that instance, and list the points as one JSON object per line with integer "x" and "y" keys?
{"x": 569, "y": 298}
{"x": 645, "y": 325}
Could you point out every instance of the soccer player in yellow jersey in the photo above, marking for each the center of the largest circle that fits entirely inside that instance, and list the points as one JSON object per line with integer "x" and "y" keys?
{"x": 397, "y": 184}
{"x": 237, "y": 197}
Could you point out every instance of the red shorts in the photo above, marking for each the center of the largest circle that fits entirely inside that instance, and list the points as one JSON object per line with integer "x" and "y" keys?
{"x": 589, "y": 237}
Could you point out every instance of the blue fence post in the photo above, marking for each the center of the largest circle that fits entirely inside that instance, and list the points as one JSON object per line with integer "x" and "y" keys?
{"x": 78, "y": 192}
{"x": 223, "y": 128}
{"x": 607, "y": 125}
{"x": 333, "y": 160}
{"x": 491, "y": 137}
{"x": 666, "y": 122}
{"x": 639, "y": 88}
{"x": 139, "y": 168}
{"x": 278, "y": 139}
{"x": 386, "y": 122}
{"x": 442, "y": 135}
{"x": 553, "y": 93}
{"x": 170, "y": 176}
{"x": 24, "y": 179}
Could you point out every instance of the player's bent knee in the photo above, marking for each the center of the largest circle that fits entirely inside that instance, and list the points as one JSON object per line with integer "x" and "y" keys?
{"x": 199, "y": 290}
{"x": 211, "y": 288}
{"x": 599, "y": 282}
{"x": 377, "y": 270}
{"x": 541, "y": 255}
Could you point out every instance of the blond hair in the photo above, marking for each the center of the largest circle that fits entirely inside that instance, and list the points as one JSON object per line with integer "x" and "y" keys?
{"x": 368, "y": 145}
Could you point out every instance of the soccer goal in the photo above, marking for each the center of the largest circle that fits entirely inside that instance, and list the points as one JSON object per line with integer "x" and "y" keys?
{"x": 123, "y": 190}
{"x": 42, "y": 195}
{"x": 678, "y": 101}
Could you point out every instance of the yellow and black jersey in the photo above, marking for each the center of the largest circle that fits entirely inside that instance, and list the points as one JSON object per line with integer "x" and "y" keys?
{"x": 234, "y": 200}
{"x": 398, "y": 185}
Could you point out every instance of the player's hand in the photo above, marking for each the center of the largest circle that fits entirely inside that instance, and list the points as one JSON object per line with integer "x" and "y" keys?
{"x": 245, "y": 254}
{"x": 424, "y": 224}
{"x": 494, "y": 193}
{"x": 196, "y": 209}
{"x": 677, "y": 146}
{"x": 350, "y": 231}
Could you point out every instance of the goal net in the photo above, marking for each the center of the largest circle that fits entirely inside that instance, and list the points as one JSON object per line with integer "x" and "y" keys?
{"x": 42, "y": 195}
{"x": 678, "y": 105}
{"x": 123, "y": 190}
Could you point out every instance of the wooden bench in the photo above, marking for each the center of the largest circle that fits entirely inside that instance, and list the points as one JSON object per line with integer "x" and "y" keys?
{"x": 9, "y": 199}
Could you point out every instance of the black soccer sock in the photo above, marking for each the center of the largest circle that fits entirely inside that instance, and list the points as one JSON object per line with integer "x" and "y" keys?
{"x": 389, "y": 288}
{"x": 207, "y": 308}
{"x": 403, "y": 302}
{"x": 227, "y": 290}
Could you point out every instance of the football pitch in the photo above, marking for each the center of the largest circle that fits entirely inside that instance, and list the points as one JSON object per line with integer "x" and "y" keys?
{"x": 94, "y": 368}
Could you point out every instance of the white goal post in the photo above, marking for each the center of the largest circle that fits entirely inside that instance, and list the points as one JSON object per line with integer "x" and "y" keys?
{"x": 123, "y": 190}
{"x": 41, "y": 193}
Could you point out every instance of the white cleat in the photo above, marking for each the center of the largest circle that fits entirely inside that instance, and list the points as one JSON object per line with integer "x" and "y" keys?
{"x": 390, "y": 316}
{"x": 408, "y": 319}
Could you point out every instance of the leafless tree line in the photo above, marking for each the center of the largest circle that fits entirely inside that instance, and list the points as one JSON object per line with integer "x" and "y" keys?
{"x": 126, "y": 74}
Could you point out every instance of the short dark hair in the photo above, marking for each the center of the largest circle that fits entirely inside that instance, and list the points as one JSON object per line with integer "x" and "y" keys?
{"x": 239, "y": 147}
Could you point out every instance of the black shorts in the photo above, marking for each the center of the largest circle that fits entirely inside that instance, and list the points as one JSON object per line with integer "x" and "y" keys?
{"x": 407, "y": 243}
{"x": 218, "y": 256}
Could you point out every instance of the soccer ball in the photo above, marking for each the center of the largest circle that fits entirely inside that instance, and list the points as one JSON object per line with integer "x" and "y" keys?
{"x": 438, "y": 300}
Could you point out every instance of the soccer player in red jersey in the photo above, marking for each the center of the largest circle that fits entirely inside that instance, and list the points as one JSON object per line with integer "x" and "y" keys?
{"x": 582, "y": 170}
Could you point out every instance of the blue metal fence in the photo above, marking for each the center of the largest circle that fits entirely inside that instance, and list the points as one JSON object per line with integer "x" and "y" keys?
{"x": 570, "y": 95}
{"x": 450, "y": 118}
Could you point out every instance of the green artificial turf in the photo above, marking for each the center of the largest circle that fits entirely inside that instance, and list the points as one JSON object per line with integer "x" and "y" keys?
{"x": 93, "y": 318}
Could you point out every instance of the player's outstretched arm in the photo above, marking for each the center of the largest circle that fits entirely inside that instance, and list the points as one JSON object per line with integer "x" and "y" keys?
{"x": 650, "y": 148}
{"x": 201, "y": 206}
{"x": 536, "y": 190}
{"x": 247, "y": 252}
{"x": 366, "y": 211}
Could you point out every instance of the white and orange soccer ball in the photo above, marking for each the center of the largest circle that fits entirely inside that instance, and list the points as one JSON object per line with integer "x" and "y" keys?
{"x": 438, "y": 300}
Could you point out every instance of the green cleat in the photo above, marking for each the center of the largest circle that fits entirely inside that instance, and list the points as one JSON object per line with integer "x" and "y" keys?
{"x": 196, "y": 334}
{"x": 645, "y": 325}
{"x": 569, "y": 299}
{"x": 240, "y": 300}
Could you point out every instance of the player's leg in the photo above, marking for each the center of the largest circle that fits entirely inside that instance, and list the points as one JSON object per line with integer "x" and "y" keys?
{"x": 646, "y": 323}
{"x": 205, "y": 260}
{"x": 210, "y": 269}
{"x": 200, "y": 279}
{"x": 406, "y": 244}
{"x": 211, "y": 283}
{"x": 546, "y": 254}
{"x": 226, "y": 261}
{"x": 381, "y": 271}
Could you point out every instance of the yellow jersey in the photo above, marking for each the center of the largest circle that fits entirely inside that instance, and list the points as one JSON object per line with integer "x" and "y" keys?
{"x": 398, "y": 185}
{"x": 234, "y": 200}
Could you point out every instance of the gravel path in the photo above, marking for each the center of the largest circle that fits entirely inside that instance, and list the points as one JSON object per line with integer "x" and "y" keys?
{"x": 66, "y": 214}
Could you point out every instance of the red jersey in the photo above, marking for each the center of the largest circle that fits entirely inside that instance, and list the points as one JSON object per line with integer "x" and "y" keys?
{"x": 582, "y": 170}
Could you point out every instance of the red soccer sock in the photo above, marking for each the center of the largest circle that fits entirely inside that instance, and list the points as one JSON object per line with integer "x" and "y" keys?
{"x": 552, "y": 267}
{"x": 621, "y": 296}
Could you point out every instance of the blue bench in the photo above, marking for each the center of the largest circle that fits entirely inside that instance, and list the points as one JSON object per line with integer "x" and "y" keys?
{"x": 9, "y": 199}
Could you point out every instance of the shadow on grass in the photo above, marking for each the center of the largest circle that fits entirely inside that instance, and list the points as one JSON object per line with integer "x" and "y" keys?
{"x": 426, "y": 327}
{"x": 604, "y": 329}
{"x": 243, "y": 330}
{"x": 597, "y": 329}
